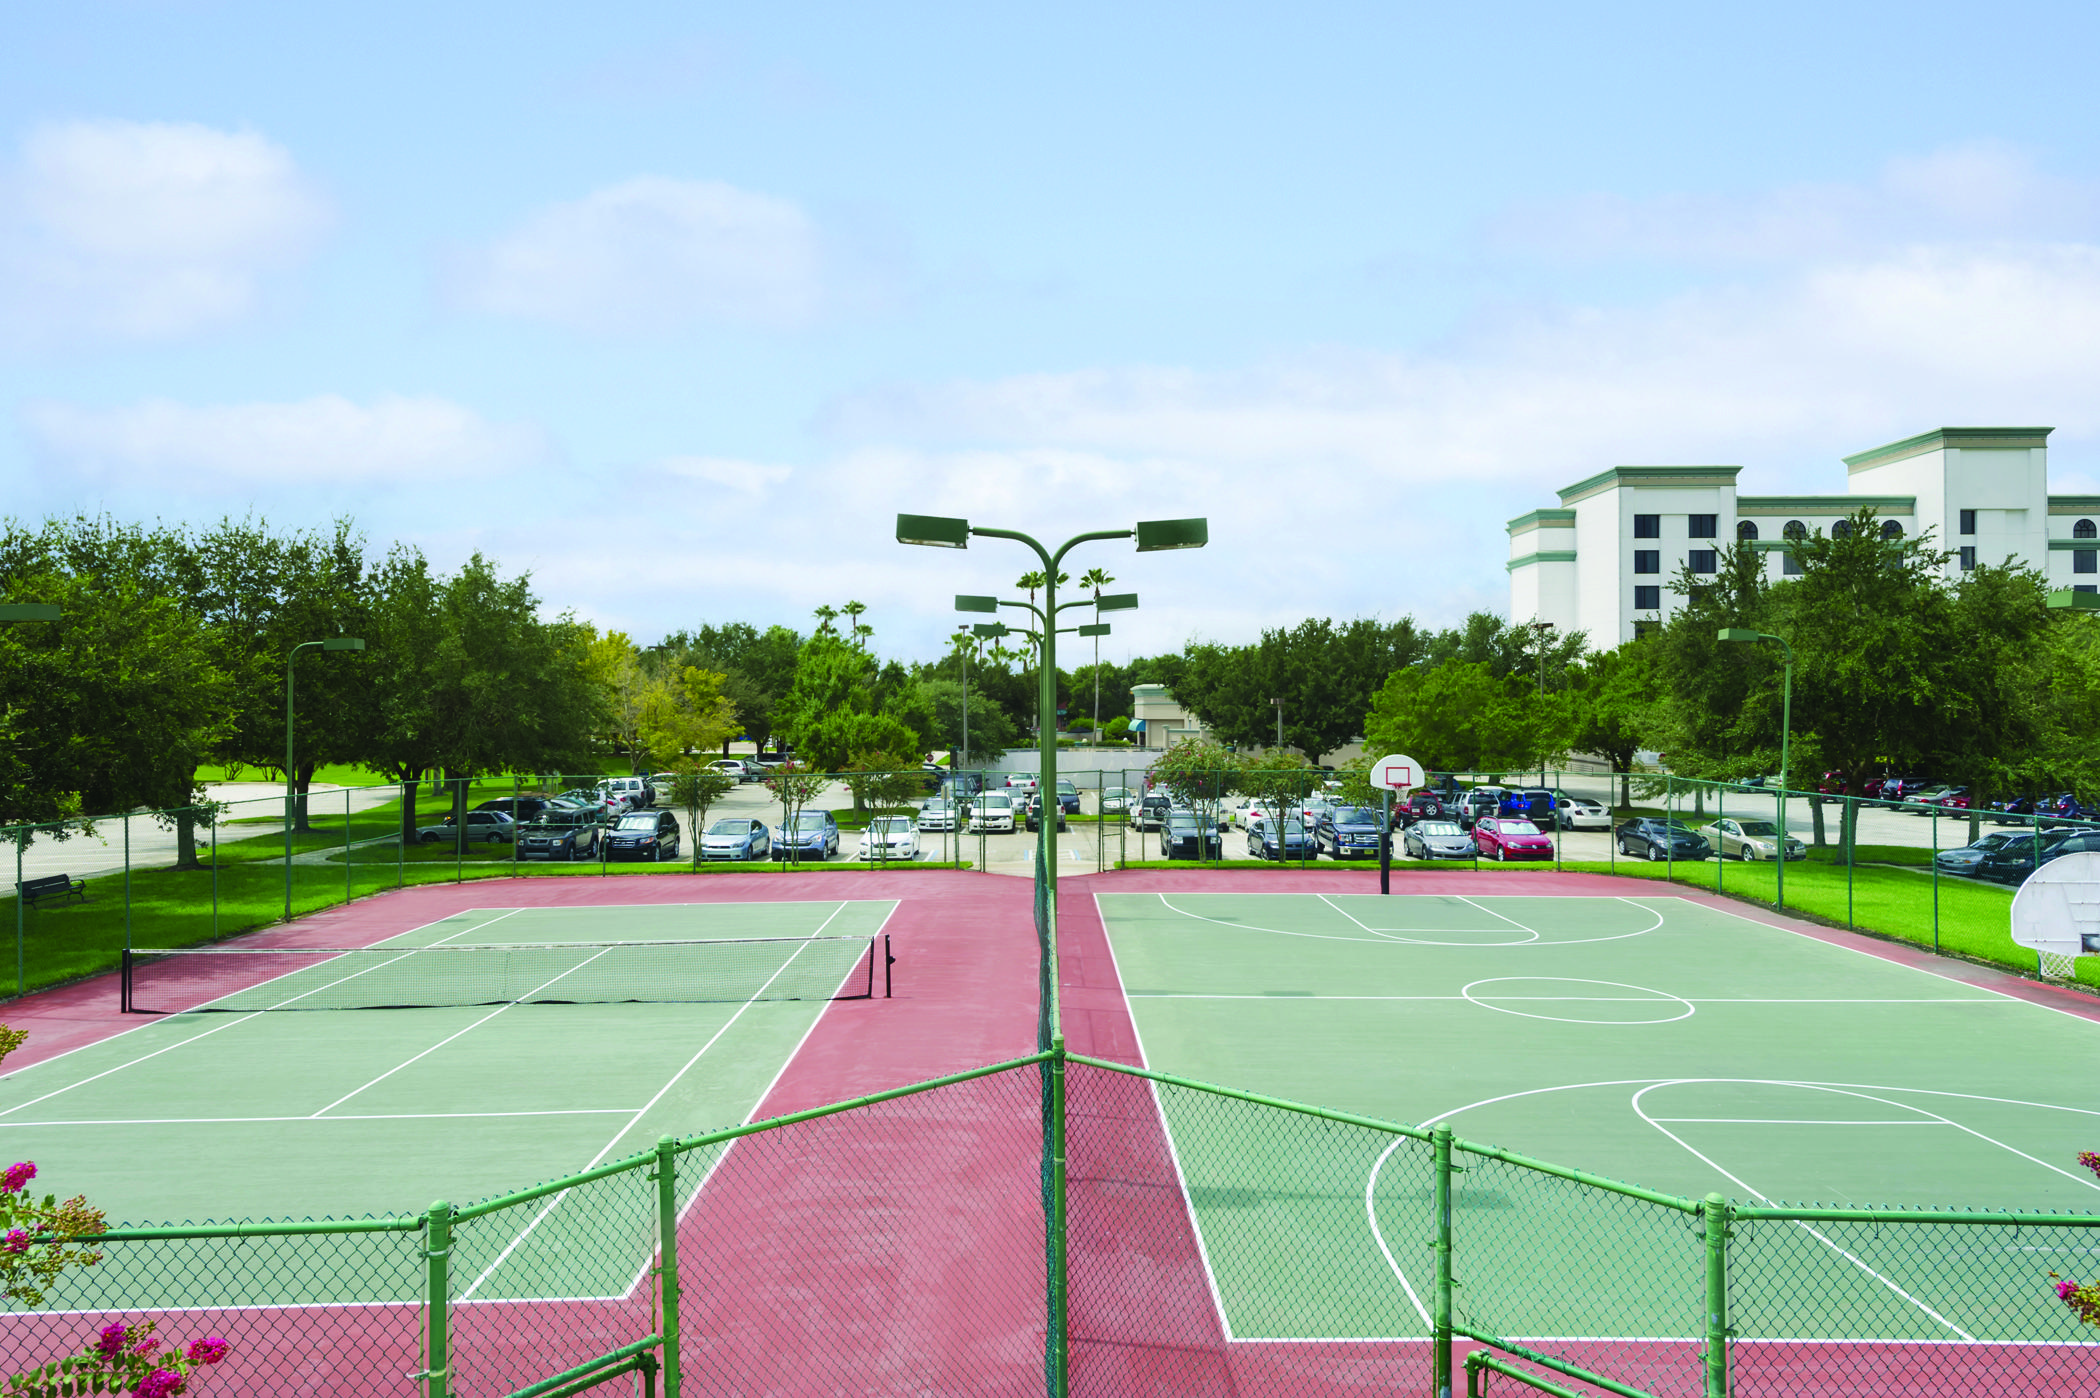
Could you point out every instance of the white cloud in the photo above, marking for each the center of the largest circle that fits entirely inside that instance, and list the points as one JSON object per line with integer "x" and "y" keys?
{"x": 652, "y": 254}
{"x": 744, "y": 477}
{"x": 147, "y": 230}
{"x": 1971, "y": 193}
{"x": 326, "y": 442}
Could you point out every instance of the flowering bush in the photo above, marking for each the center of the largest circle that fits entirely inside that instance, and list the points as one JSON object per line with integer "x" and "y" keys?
{"x": 124, "y": 1359}
{"x": 39, "y": 1237}
{"x": 2083, "y": 1299}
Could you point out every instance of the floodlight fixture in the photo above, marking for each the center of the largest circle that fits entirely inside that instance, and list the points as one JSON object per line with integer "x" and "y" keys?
{"x": 29, "y": 611}
{"x": 1117, "y": 602}
{"x": 1156, "y": 535}
{"x": 934, "y": 531}
{"x": 1099, "y": 628}
{"x": 967, "y": 603}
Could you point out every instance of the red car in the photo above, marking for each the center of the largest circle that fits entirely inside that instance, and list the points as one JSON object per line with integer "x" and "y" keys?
{"x": 1501, "y": 837}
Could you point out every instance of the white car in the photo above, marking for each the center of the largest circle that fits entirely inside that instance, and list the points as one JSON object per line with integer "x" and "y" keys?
{"x": 737, "y": 769}
{"x": 1021, "y": 781}
{"x": 632, "y": 793}
{"x": 1116, "y": 800}
{"x": 1579, "y": 813}
{"x": 890, "y": 837}
{"x": 939, "y": 813}
{"x": 994, "y": 811}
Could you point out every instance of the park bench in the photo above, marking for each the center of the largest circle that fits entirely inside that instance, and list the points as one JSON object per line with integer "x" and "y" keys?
{"x": 53, "y": 886}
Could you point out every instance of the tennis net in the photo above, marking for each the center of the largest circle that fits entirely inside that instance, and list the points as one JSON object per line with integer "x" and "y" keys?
{"x": 243, "y": 980}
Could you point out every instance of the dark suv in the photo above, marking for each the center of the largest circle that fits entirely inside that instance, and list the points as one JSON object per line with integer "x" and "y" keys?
{"x": 561, "y": 833}
{"x": 643, "y": 835}
{"x": 1650, "y": 838}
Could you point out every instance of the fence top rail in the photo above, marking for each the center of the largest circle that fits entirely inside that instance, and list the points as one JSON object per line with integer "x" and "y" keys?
{"x": 1573, "y": 1371}
{"x": 263, "y": 1228}
{"x": 497, "y": 1203}
{"x": 1804, "y": 1213}
{"x": 1581, "y": 1177}
{"x": 1392, "y": 1128}
{"x": 751, "y": 1128}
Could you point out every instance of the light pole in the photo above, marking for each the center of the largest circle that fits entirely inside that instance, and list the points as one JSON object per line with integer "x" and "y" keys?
{"x": 1279, "y": 723}
{"x": 27, "y": 611}
{"x": 291, "y": 772}
{"x": 1152, "y": 536}
{"x": 1786, "y": 723}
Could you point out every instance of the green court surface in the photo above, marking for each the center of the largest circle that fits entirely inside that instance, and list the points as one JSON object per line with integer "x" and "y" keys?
{"x": 341, "y": 1113}
{"x": 1647, "y": 1039}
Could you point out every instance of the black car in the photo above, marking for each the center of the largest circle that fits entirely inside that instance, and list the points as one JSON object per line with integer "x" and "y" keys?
{"x": 1264, "y": 841}
{"x": 1185, "y": 835}
{"x": 1438, "y": 839}
{"x": 1647, "y": 837}
{"x": 643, "y": 835}
{"x": 1034, "y": 819}
{"x": 561, "y": 832}
{"x": 1968, "y": 860}
{"x": 523, "y": 809}
{"x": 2014, "y": 860}
{"x": 1349, "y": 832}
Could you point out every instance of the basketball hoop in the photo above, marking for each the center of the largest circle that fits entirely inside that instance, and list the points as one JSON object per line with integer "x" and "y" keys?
{"x": 2056, "y": 914}
{"x": 1396, "y": 773}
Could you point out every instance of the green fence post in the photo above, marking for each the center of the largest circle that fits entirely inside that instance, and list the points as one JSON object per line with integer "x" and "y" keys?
{"x": 1720, "y": 854}
{"x": 1935, "y": 879}
{"x": 21, "y": 970}
{"x": 437, "y": 1301}
{"x": 349, "y": 865}
{"x": 667, "y": 1253}
{"x": 214, "y": 872}
{"x": 1061, "y": 1377}
{"x": 1669, "y": 835}
{"x": 1716, "y": 1215}
{"x": 401, "y": 839}
{"x": 1440, "y": 1333}
{"x": 1848, "y": 829}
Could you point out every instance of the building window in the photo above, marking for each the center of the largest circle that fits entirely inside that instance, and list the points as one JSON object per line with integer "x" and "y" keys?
{"x": 1706, "y": 526}
{"x": 1647, "y": 526}
{"x": 2085, "y": 560}
{"x": 1647, "y": 599}
{"x": 1891, "y": 530}
{"x": 1968, "y": 521}
{"x": 1702, "y": 560}
{"x": 1647, "y": 560}
{"x": 1795, "y": 529}
{"x": 1746, "y": 529}
{"x": 1968, "y": 557}
{"x": 2083, "y": 529}
{"x": 1841, "y": 529}
{"x": 1791, "y": 564}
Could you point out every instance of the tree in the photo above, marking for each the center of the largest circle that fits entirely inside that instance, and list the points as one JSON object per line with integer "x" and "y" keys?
{"x": 1324, "y": 674}
{"x": 1201, "y": 772}
{"x": 1458, "y": 717}
{"x": 613, "y": 665}
{"x": 794, "y": 786}
{"x": 697, "y": 786}
{"x": 1617, "y": 706}
{"x": 683, "y": 714}
{"x": 1095, "y": 579}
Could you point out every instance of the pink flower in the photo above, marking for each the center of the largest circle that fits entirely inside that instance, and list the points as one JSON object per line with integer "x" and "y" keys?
{"x": 111, "y": 1340}
{"x": 16, "y": 1175}
{"x": 161, "y": 1383}
{"x": 209, "y": 1350}
{"x": 17, "y": 1240}
{"x": 146, "y": 1346}
{"x": 2064, "y": 1290}
{"x": 2090, "y": 1159}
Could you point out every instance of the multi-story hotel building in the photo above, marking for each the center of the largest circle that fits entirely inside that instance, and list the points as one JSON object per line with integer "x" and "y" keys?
{"x": 1604, "y": 562}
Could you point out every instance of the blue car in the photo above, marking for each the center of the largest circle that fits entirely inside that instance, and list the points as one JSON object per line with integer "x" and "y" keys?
{"x": 815, "y": 836}
{"x": 1349, "y": 832}
{"x": 1292, "y": 842}
{"x": 736, "y": 837}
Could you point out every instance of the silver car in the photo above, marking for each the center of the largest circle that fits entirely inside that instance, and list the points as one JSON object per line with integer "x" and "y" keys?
{"x": 890, "y": 837}
{"x": 736, "y": 837}
{"x": 937, "y": 814}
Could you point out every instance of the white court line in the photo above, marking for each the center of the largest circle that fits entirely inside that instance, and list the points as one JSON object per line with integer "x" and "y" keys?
{"x": 1181, "y": 1179}
{"x": 1804, "y": 1226}
{"x": 1492, "y": 913}
{"x": 1784, "y": 1121}
{"x": 1571, "y": 999}
{"x": 621, "y": 1134}
{"x": 467, "y": 1030}
{"x": 376, "y": 1116}
{"x": 233, "y": 1023}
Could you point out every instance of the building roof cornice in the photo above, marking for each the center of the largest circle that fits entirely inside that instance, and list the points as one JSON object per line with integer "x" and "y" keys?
{"x": 1617, "y": 476}
{"x": 1955, "y": 438}
{"x": 1824, "y": 504}
{"x": 1542, "y": 519}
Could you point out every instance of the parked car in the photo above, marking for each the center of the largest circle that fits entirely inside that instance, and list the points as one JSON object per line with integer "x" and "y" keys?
{"x": 1481, "y": 801}
{"x": 890, "y": 837}
{"x": 1035, "y": 813}
{"x": 1423, "y": 805}
{"x": 1750, "y": 839}
{"x": 1968, "y": 860}
{"x": 816, "y": 836}
{"x": 1534, "y": 804}
{"x": 634, "y": 793}
{"x": 519, "y": 808}
{"x": 491, "y": 827}
{"x": 938, "y": 813}
{"x": 1021, "y": 781}
{"x": 737, "y": 769}
{"x": 1956, "y": 798}
{"x": 960, "y": 784}
{"x": 603, "y": 802}
{"x": 1068, "y": 796}
{"x": 2012, "y": 812}
{"x": 2017, "y": 857}
{"x": 1116, "y": 800}
{"x": 1504, "y": 837}
{"x": 1438, "y": 839}
{"x": 1649, "y": 837}
{"x": 1280, "y": 839}
{"x": 1349, "y": 832}
{"x": 562, "y": 832}
{"x": 643, "y": 835}
{"x": 1187, "y": 835}
{"x": 1150, "y": 810}
{"x": 736, "y": 838}
{"x": 1581, "y": 813}
{"x": 994, "y": 810}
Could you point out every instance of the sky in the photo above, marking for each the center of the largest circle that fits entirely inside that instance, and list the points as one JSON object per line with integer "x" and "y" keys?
{"x": 675, "y": 307}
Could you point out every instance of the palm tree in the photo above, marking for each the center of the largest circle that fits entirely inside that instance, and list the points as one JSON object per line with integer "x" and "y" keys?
{"x": 1031, "y": 582}
{"x": 861, "y": 630}
{"x": 1096, "y": 578}
{"x": 825, "y": 615}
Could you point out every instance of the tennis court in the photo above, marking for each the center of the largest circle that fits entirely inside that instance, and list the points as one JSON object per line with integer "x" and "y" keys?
{"x": 1654, "y": 1040}
{"x": 487, "y": 1050}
